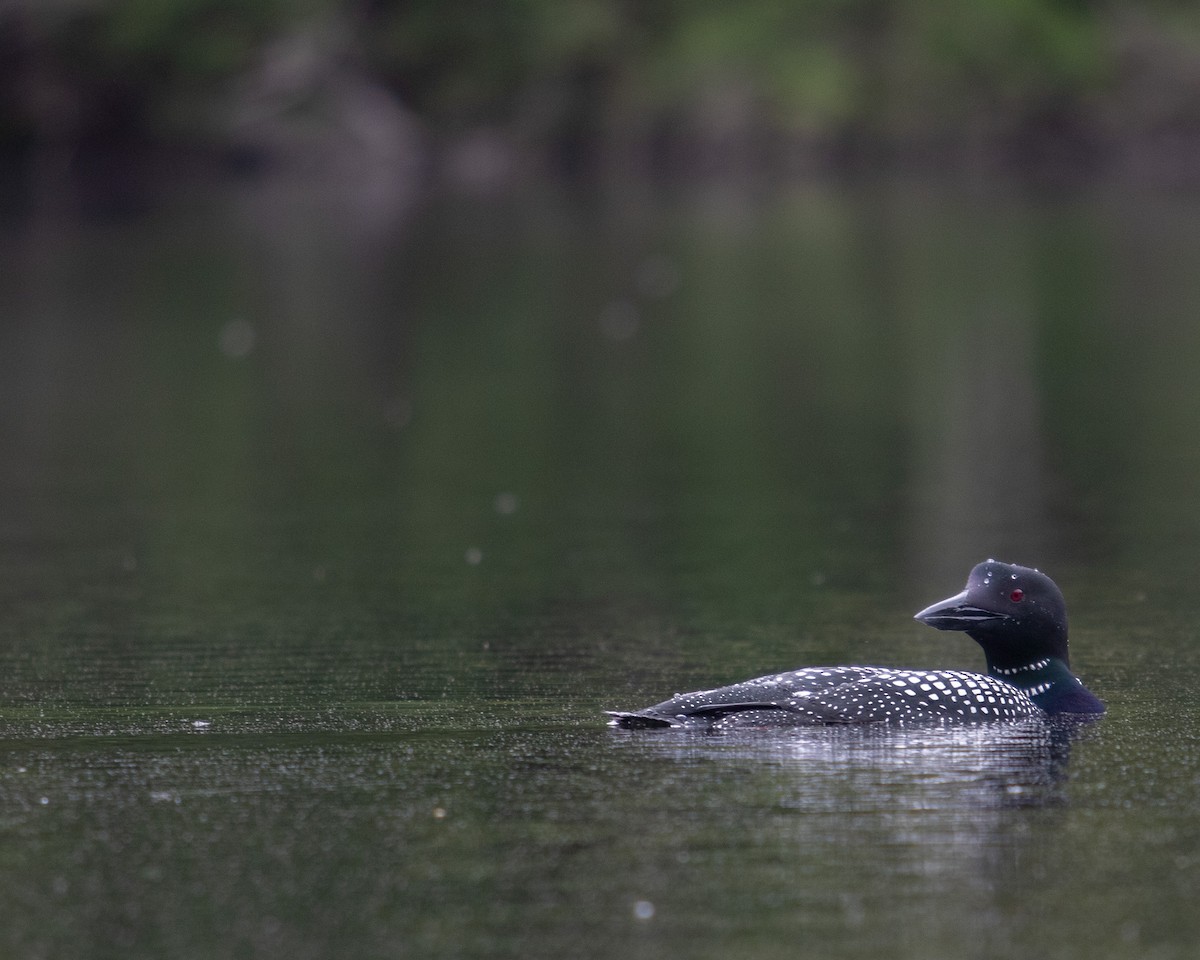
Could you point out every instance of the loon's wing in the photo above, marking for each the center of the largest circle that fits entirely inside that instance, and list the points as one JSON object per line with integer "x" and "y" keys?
{"x": 798, "y": 697}
{"x": 704, "y": 714}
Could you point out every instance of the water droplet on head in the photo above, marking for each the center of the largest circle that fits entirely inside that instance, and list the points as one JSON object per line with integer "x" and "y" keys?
{"x": 643, "y": 910}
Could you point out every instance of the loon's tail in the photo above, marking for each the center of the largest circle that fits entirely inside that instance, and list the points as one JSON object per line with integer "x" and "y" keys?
{"x": 636, "y": 721}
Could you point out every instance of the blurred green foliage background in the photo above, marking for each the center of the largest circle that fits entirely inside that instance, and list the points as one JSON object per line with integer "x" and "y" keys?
{"x": 1071, "y": 84}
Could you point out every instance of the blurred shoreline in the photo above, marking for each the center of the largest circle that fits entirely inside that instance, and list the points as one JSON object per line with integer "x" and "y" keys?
{"x": 101, "y": 101}
{"x": 130, "y": 178}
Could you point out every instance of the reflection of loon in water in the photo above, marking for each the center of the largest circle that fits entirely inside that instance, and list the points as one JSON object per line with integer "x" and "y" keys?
{"x": 1016, "y": 614}
{"x": 865, "y": 768}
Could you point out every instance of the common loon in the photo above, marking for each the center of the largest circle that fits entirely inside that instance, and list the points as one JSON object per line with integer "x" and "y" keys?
{"x": 1017, "y": 614}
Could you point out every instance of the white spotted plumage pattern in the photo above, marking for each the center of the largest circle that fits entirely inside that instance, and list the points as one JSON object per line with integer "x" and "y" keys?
{"x": 823, "y": 695}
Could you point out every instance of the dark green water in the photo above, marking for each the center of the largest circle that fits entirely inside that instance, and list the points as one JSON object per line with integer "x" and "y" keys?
{"x": 324, "y": 539}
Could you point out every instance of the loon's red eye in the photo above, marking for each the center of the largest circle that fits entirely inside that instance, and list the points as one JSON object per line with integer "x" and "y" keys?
{"x": 1017, "y": 596}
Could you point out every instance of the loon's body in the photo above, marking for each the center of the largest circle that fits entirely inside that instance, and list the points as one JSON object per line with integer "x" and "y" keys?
{"x": 1017, "y": 615}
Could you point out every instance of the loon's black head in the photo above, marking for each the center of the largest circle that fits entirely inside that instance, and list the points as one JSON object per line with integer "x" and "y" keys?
{"x": 1017, "y": 614}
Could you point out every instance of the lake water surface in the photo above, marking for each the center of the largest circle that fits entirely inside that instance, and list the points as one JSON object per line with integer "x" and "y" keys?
{"x": 326, "y": 537}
